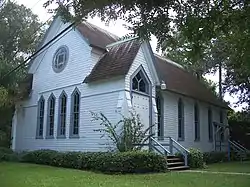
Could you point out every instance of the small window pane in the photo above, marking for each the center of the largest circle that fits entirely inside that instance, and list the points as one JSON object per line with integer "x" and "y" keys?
{"x": 138, "y": 76}
{"x": 135, "y": 84}
{"x": 139, "y": 83}
{"x": 142, "y": 86}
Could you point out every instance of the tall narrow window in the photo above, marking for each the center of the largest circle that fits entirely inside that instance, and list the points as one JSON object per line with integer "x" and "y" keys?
{"x": 51, "y": 116}
{"x": 222, "y": 128}
{"x": 140, "y": 83}
{"x": 210, "y": 125}
{"x": 75, "y": 114}
{"x": 181, "y": 135}
{"x": 40, "y": 116}
{"x": 196, "y": 122}
{"x": 159, "y": 105}
{"x": 62, "y": 115}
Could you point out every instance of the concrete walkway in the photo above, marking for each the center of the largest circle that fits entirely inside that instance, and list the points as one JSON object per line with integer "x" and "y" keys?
{"x": 215, "y": 172}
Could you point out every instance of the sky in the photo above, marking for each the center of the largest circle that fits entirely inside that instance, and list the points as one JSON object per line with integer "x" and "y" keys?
{"x": 116, "y": 28}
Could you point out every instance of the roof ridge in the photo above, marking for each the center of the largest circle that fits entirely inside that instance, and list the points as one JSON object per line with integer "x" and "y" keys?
{"x": 115, "y": 37}
{"x": 169, "y": 61}
{"x": 121, "y": 41}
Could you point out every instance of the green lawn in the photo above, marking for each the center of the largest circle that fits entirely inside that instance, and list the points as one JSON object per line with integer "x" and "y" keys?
{"x": 29, "y": 175}
{"x": 241, "y": 167}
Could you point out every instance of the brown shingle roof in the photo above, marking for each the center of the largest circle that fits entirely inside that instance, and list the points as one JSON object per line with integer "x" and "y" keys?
{"x": 116, "y": 62}
{"x": 96, "y": 36}
{"x": 180, "y": 81}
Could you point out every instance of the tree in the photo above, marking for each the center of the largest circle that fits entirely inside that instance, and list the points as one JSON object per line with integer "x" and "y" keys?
{"x": 215, "y": 31}
{"x": 20, "y": 31}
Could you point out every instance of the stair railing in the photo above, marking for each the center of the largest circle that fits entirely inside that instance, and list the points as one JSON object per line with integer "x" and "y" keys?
{"x": 173, "y": 147}
{"x": 236, "y": 147}
{"x": 173, "y": 144}
{"x": 241, "y": 146}
{"x": 156, "y": 144}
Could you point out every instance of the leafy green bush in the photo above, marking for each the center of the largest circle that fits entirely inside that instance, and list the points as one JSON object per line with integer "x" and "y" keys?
{"x": 215, "y": 157}
{"x": 195, "y": 158}
{"x": 6, "y": 150}
{"x": 119, "y": 162}
{"x": 7, "y": 154}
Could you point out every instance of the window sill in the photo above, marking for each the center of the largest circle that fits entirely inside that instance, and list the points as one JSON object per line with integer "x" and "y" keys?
{"x": 140, "y": 93}
{"x": 39, "y": 137}
{"x": 61, "y": 137}
{"x": 160, "y": 138}
{"x": 181, "y": 139}
{"x": 74, "y": 136}
{"x": 49, "y": 137}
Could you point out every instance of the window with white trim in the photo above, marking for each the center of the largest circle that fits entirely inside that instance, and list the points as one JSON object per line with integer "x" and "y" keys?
{"x": 196, "y": 122}
{"x": 181, "y": 135}
{"x": 75, "y": 113}
{"x": 222, "y": 136}
{"x": 210, "y": 125}
{"x": 40, "y": 118}
{"x": 62, "y": 115}
{"x": 60, "y": 59}
{"x": 160, "y": 108}
{"x": 140, "y": 83}
{"x": 51, "y": 116}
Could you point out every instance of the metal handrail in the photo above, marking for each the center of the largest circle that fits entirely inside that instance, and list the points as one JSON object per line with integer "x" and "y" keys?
{"x": 236, "y": 146}
{"x": 161, "y": 146}
{"x": 241, "y": 146}
{"x": 180, "y": 145}
{"x": 184, "y": 151}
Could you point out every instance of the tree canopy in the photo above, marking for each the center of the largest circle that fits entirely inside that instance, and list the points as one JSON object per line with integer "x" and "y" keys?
{"x": 20, "y": 31}
{"x": 199, "y": 33}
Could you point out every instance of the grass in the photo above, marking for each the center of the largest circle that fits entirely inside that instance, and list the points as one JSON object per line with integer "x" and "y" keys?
{"x": 240, "y": 167}
{"x": 27, "y": 175}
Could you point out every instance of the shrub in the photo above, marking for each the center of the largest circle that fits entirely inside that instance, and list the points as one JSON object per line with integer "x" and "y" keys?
{"x": 120, "y": 162}
{"x": 7, "y": 154}
{"x": 215, "y": 157}
{"x": 195, "y": 158}
{"x": 45, "y": 157}
{"x": 6, "y": 150}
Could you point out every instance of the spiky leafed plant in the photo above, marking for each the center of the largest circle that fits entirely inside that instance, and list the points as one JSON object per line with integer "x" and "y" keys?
{"x": 128, "y": 134}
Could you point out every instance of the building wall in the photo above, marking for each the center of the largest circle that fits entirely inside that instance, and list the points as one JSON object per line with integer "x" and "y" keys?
{"x": 141, "y": 61}
{"x": 171, "y": 121}
{"x": 96, "y": 97}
